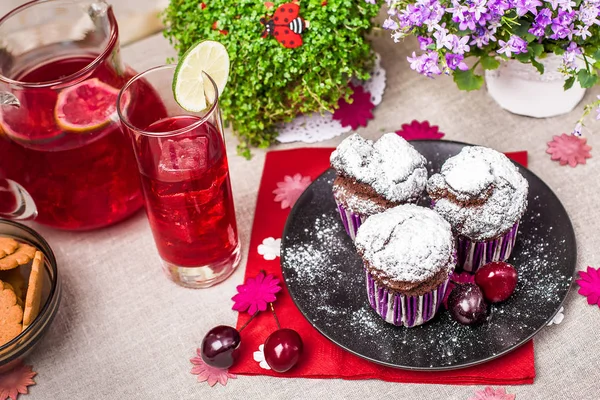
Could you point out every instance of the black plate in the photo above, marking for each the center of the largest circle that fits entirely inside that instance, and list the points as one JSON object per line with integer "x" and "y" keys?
{"x": 325, "y": 278}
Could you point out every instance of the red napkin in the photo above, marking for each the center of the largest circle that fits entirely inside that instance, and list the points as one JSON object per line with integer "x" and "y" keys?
{"x": 322, "y": 358}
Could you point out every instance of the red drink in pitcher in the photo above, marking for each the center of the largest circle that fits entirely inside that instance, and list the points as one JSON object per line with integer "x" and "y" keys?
{"x": 188, "y": 195}
{"x": 81, "y": 177}
{"x": 60, "y": 136}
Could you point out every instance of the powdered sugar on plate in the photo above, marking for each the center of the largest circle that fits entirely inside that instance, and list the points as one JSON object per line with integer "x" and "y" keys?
{"x": 480, "y": 192}
{"x": 391, "y": 166}
{"x": 407, "y": 243}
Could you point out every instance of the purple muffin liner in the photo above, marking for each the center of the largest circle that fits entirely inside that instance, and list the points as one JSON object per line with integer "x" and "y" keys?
{"x": 350, "y": 220}
{"x": 474, "y": 254}
{"x": 401, "y": 310}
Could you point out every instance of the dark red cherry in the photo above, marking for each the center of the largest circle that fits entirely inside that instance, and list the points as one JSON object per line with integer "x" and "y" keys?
{"x": 283, "y": 349}
{"x": 467, "y": 305}
{"x": 497, "y": 281}
{"x": 219, "y": 346}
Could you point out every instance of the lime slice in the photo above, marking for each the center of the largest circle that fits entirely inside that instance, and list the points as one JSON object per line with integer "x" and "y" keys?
{"x": 87, "y": 106}
{"x": 190, "y": 85}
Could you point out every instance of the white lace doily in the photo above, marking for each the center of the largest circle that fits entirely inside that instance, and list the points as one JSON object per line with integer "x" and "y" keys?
{"x": 317, "y": 127}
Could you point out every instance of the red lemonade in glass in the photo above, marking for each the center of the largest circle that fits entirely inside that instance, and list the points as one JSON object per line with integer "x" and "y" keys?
{"x": 183, "y": 164}
{"x": 188, "y": 195}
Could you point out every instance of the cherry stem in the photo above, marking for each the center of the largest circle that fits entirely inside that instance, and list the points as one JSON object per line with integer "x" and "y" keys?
{"x": 275, "y": 315}
{"x": 247, "y": 322}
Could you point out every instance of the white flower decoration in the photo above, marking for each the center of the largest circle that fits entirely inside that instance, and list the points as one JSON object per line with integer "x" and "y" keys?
{"x": 290, "y": 189}
{"x": 269, "y": 248}
{"x": 259, "y": 357}
{"x": 558, "y": 318}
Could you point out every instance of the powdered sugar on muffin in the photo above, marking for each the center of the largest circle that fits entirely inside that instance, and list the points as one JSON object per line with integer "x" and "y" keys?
{"x": 391, "y": 166}
{"x": 407, "y": 243}
{"x": 480, "y": 192}
{"x": 359, "y": 203}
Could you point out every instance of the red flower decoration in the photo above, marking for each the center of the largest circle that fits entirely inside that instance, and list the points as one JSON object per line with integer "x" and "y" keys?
{"x": 256, "y": 293}
{"x": 569, "y": 149}
{"x": 358, "y": 112}
{"x": 463, "y": 277}
{"x": 589, "y": 285}
{"x": 420, "y": 130}
{"x": 490, "y": 393}
{"x": 16, "y": 381}
{"x": 209, "y": 374}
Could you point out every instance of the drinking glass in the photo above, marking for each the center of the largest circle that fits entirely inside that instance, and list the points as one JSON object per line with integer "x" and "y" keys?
{"x": 63, "y": 157}
{"x": 185, "y": 179}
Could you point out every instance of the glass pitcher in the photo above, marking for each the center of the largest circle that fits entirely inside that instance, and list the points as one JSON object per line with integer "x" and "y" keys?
{"x": 63, "y": 157}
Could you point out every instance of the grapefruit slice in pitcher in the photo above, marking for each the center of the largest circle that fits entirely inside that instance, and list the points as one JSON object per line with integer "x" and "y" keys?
{"x": 87, "y": 106}
{"x": 34, "y": 122}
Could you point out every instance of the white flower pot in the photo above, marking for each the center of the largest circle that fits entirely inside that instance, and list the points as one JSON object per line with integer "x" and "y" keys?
{"x": 520, "y": 89}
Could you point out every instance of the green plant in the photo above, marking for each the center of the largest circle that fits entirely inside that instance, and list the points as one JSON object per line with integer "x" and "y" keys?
{"x": 270, "y": 84}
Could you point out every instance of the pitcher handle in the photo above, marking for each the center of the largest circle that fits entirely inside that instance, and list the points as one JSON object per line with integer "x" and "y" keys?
{"x": 15, "y": 202}
{"x": 9, "y": 99}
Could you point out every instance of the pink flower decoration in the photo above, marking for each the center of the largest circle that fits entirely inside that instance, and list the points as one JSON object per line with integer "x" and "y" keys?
{"x": 256, "y": 293}
{"x": 16, "y": 381}
{"x": 463, "y": 277}
{"x": 209, "y": 374}
{"x": 490, "y": 393}
{"x": 358, "y": 112}
{"x": 290, "y": 189}
{"x": 420, "y": 130}
{"x": 589, "y": 285}
{"x": 569, "y": 149}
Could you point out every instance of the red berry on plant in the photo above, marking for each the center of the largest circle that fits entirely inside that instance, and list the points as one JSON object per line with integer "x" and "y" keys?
{"x": 283, "y": 349}
{"x": 497, "y": 281}
{"x": 467, "y": 305}
{"x": 219, "y": 346}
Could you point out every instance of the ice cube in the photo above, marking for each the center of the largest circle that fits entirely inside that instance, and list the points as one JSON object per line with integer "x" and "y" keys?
{"x": 183, "y": 159}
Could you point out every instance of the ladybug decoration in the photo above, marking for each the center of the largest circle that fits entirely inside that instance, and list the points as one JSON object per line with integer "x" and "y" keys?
{"x": 286, "y": 25}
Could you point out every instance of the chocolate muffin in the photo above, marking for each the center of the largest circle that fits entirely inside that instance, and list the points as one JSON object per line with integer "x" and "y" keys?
{"x": 481, "y": 193}
{"x": 408, "y": 254}
{"x": 375, "y": 176}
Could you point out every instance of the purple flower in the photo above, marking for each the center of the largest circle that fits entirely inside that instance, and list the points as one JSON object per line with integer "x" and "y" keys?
{"x": 544, "y": 17}
{"x": 390, "y": 24}
{"x": 442, "y": 39}
{"x": 482, "y": 37}
{"x": 525, "y": 6}
{"x": 370, "y": 1}
{"x": 566, "y": 4}
{"x": 478, "y": 8}
{"x": 588, "y": 13}
{"x": 553, "y": 3}
{"x": 583, "y": 32}
{"x": 425, "y": 64}
{"x": 570, "y": 56}
{"x": 424, "y": 42}
{"x": 515, "y": 45}
{"x": 464, "y": 15}
{"x": 497, "y": 7}
{"x": 577, "y": 129}
{"x": 537, "y": 30}
{"x": 460, "y": 46}
{"x": 562, "y": 25}
{"x": 455, "y": 61}
{"x": 542, "y": 20}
